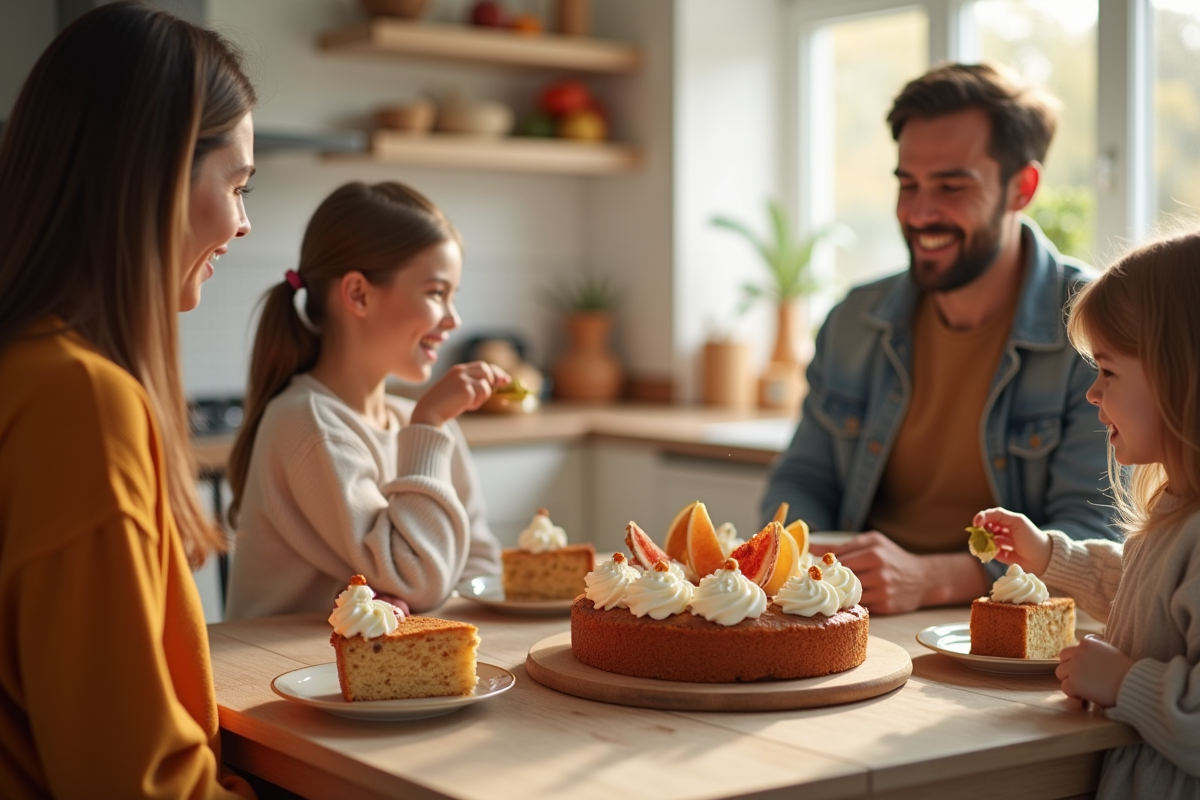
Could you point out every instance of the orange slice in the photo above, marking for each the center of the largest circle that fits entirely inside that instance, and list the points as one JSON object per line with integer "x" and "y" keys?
{"x": 781, "y": 513}
{"x": 676, "y": 543}
{"x": 785, "y": 566}
{"x": 799, "y": 532}
{"x": 704, "y": 549}
{"x": 758, "y": 557}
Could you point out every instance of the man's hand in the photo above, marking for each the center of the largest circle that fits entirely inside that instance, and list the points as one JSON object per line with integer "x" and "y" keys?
{"x": 1093, "y": 670}
{"x": 895, "y": 580}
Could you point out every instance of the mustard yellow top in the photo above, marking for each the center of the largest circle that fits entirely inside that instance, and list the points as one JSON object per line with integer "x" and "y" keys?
{"x": 105, "y": 681}
{"x": 935, "y": 479}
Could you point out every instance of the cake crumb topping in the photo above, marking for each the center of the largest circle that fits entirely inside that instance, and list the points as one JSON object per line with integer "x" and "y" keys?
{"x": 828, "y": 558}
{"x": 619, "y": 558}
{"x": 358, "y": 580}
{"x": 731, "y": 564}
{"x": 814, "y": 572}
{"x": 660, "y": 566}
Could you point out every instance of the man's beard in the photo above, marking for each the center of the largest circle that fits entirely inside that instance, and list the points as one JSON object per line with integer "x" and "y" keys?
{"x": 974, "y": 259}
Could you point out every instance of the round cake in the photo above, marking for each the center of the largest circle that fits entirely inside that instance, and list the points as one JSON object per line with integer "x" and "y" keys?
{"x": 686, "y": 647}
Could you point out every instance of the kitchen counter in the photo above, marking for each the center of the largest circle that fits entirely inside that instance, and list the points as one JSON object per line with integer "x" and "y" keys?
{"x": 749, "y": 437}
{"x": 949, "y": 732}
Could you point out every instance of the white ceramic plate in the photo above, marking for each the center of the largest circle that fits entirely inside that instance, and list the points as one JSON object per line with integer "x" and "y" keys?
{"x": 954, "y": 640}
{"x": 490, "y": 591}
{"x": 317, "y": 687}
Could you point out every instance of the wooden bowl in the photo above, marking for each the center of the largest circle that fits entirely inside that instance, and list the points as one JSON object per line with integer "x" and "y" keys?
{"x": 482, "y": 119}
{"x": 414, "y": 117}
{"x": 407, "y": 9}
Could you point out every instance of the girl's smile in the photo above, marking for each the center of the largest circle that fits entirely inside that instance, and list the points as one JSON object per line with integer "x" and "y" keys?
{"x": 1127, "y": 407}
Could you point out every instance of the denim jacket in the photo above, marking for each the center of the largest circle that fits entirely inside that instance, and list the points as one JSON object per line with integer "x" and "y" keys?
{"x": 1046, "y": 451}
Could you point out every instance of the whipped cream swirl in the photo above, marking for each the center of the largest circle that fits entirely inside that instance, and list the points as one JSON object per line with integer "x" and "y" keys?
{"x": 658, "y": 593}
{"x": 842, "y": 578}
{"x": 727, "y": 538}
{"x": 606, "y": 584}
{"x": 1018, "y": 586}
{"x": 542, "y": 534}
{"x": 358, "y": 613}
{"x": 808, "y": 594}
{"x": 727, "y": 597}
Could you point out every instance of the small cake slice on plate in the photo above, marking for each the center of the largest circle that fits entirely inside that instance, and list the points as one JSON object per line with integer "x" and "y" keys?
{"x": 1020, "y": 619}
{"x": 543, "y": 566}
{"x": 384, "y": 655}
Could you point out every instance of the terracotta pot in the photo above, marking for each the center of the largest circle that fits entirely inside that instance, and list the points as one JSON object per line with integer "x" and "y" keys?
{"x": 728, "y": 377}
{"x": 782, "y": 385}
{"x": 588, "y": 370}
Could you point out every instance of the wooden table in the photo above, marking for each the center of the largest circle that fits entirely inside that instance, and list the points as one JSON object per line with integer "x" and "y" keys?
{"x": 949, "y": 732}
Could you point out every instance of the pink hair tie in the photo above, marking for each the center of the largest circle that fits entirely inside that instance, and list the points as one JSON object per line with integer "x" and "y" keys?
{"x": 294, "y": 280}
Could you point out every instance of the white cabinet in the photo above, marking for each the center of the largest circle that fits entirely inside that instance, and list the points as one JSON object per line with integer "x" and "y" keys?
{"x": 519, "y": 479}
{"x": 730, "y": 492}
{"x": 640, "y": 482}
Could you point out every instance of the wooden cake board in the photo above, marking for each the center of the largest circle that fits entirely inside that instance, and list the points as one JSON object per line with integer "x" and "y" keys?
{"x": 551, "y": 663}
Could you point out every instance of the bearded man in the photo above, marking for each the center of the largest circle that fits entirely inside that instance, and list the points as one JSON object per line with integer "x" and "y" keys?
{"x": 950, "y": 388}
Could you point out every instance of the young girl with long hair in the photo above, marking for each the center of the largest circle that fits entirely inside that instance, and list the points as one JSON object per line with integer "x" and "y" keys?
{"x": 122, "y": 170}
{"x": 331, "y": 475}
{"x": 1138, "y": 322}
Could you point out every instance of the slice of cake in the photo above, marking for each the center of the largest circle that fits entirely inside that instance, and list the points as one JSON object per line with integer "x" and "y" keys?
{"x": 1020, "y": 619}
{"x": 543, "y": 566}
{"x": 384, "y": 655}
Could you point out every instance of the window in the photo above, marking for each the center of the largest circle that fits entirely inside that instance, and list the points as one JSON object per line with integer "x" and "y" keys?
{"x": 1119, "y": 160}
{"x": 865, "y": 62}
{"x": 1052, "y": 44}
{"x": 1176, "y": 25}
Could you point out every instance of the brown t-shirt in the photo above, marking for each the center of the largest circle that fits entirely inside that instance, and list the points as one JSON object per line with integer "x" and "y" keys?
{"x": 934, "y": 482}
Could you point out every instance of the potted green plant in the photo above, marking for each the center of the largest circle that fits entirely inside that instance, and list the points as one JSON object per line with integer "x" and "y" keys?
{"x": 588, "y": 370}
{"x": 788, "y": 261}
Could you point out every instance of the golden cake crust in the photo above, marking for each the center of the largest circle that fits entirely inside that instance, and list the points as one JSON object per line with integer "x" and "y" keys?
{"x": 1024, "y": 630}
{"x": 423, "y": 657}
{"x": 550, "y": 575}
{"x": 686, "y": 647}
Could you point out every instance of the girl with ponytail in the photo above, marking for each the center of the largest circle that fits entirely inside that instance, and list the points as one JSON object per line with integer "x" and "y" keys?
{"x": 331, "y": 476}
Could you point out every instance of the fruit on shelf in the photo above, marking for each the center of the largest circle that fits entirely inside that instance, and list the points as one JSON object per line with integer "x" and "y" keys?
{"x": 541, "y": 125}
{"x": 487, "y": 14}
{"x": 586, "y": 126}
{"x": 527, "y": 23}
{"x": 565, "y": 97}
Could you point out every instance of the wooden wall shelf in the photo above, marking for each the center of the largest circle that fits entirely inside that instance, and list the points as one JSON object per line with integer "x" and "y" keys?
{"x": 511, "y": 154}
{"x": 395, "y": 37}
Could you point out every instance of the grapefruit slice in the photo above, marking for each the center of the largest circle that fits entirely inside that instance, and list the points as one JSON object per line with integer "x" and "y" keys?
{"x": 676, "y": 543}
{"x": 703, "y": 546}
{"x": 786, "y": 565}
{"x": 645, "y": 552}
{"x": 781, "y": 513}
{"x": 758, "y": 557}
{"x": 799, "y": 532}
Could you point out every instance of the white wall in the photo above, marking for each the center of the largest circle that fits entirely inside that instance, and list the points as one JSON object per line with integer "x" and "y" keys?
{"x": 703, "y": 110}
{"x": 522, "y": 232}
{"x": 727, "y": 161}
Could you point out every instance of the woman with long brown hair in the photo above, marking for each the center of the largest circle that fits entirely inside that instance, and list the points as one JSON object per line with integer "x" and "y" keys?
{"x": 122, "y": 171}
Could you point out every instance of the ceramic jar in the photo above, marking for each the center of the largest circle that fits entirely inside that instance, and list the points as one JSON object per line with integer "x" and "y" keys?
{"x": 588, "y": 371}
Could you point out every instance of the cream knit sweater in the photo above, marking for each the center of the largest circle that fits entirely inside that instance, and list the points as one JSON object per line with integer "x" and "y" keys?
{"x": 1149, "y": 593}
{"x": 330, "y": 495}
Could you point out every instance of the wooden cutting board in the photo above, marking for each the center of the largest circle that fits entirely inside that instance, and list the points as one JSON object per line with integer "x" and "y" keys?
{"x": 551, "y": 663}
